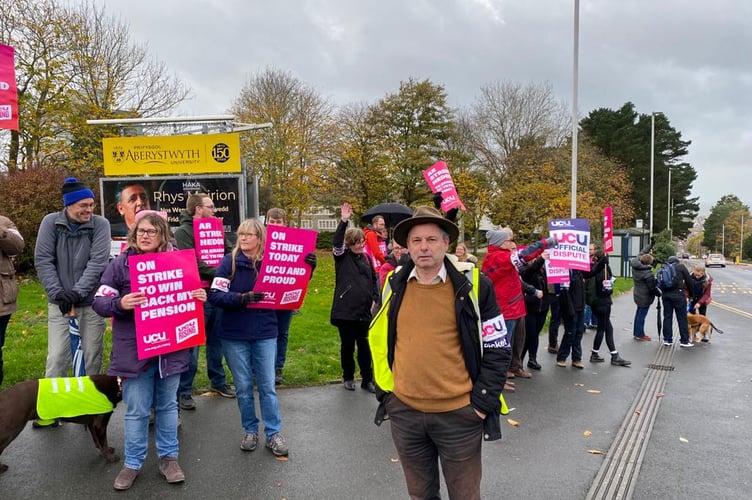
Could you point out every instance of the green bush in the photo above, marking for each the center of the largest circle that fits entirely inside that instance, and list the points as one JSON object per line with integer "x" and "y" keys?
{"x": 28, "y": 195}
{"x": 325, "y": 240}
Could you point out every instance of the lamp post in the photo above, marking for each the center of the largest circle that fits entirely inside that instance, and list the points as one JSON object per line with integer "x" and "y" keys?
{"x": 723, "y": 240}
{"x": 573, "y": 210}
{"x": 741, "y": 239}
{"x": 668, "y": 202}
{"x": 652, "y": 166}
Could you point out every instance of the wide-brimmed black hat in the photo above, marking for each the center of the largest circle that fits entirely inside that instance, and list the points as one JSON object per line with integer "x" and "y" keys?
{"x": 424, "y": 215}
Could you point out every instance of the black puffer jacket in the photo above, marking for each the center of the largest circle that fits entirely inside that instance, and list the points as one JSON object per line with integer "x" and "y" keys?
{"x": 356, "y": 284}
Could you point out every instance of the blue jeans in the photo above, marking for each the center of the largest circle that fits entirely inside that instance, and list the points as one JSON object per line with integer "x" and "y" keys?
{"x": 639, "y": 320}
{"x": 140, "y": 394}
{"x": 284, "y": 318}
{"x": 248, "y": 359}
{"x": 216, "y": 371}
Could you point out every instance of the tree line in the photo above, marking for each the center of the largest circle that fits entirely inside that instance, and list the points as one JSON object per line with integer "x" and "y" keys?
{"x": 509, "y": 151}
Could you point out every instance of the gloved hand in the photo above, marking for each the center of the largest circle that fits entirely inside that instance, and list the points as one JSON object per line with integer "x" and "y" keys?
{"x": 311, "y": 260}
{"x": 73, "y": 297}
{"x": 437, "y": 199}
{"x": 251, "y": 297}
{"x": 551, "y": 242}
{"x": 451, "y": 215}
{"x": 64, "y": 303}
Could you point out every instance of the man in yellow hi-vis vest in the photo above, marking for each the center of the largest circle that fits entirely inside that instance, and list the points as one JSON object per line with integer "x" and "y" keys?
{"x": 440, "y": 354}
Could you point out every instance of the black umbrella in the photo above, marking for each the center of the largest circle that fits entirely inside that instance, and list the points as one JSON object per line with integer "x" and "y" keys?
{"x": 393, "y": 213}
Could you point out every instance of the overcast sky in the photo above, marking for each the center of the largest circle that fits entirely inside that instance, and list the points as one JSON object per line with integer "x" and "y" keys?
{"x": 689, "y": 59}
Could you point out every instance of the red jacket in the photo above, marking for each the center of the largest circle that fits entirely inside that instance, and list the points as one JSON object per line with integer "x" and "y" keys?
{"x": 375, "y": 248}
{"x": 501, "y": 266}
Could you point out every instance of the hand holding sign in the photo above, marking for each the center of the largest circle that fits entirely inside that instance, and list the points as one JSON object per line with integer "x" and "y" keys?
{"x": 132, "y": 300}
{"x": 251, "y": 297}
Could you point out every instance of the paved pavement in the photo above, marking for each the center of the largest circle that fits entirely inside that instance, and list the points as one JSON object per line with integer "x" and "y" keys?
{"x": 697, "y": 447}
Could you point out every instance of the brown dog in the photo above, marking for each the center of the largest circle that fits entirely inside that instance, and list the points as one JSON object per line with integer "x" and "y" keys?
{"x": 18, "y": 405}
{"x": 700, "y": 328}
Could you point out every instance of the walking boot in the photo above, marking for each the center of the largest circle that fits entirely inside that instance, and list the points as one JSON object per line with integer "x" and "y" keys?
{"x": 596, "y": 358}
{"x": 617, "y": 360}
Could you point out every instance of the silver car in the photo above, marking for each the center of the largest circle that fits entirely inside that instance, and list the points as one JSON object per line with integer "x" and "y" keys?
{"x": 715, "y": 259}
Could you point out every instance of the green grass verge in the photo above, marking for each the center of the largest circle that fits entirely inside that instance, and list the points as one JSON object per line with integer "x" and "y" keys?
{"x": 312, "y": 356}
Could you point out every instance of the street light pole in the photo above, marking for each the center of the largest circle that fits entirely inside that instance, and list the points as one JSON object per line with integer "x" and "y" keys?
{"x": 652, "y": 166}
{"x": 668, "y": 220}
{"x": 723, "y": 240}
{"x": 741, "y": 240}
{"x": 573, "y": 210}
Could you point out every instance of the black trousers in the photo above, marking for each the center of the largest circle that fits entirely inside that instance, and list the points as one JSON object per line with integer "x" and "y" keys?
{"x": 352, "y": 333}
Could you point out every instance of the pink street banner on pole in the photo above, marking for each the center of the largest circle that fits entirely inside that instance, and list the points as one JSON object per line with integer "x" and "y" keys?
{"x": 8, "y": 91}
{"x": 284, "y": 276}
{"x": 573, "y": 236}
{"x": 608, "y": 230}
{"x": 171, "y": 319}
{"x": 209, "y": 237}
{"x": 439, "y": 179}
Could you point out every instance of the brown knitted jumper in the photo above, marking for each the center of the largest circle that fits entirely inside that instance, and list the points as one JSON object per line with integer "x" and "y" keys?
{"x": 429, "y": 368}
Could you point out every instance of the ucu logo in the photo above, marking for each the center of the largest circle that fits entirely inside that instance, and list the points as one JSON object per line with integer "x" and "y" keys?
{"x": 561, "y": 223}
{"x": 155, "y": 338}
{"x": 493, "y": 328}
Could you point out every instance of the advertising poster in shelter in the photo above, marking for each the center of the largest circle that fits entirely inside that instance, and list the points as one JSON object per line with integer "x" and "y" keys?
{"x": 171, "y": 319}
{"x": 439, "y": 179}
{"x": 573, "y": 236}
{"x": 122, "y": 197}
{"x": 284, "y": 276}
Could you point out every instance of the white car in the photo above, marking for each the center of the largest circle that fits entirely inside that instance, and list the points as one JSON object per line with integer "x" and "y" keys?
{"x": 715, "y": 259}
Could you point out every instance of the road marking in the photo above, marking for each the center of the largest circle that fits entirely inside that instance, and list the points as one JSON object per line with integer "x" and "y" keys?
{"x": 732, "y": 309}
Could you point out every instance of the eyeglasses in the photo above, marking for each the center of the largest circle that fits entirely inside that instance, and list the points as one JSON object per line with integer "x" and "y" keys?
{"x": 243, "y": 235}
{"x": 210, "y": 207}
{"x": 149, "y": 232}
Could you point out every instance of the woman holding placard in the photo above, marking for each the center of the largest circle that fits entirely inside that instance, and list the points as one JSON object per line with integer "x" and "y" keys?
{"x": 249, "y": 336}
{"x": 147, "y": 383}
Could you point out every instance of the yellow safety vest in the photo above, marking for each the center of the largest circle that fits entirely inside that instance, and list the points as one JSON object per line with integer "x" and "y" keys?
{"x": 379, "y": 331}
{"x": 70, "y": 397}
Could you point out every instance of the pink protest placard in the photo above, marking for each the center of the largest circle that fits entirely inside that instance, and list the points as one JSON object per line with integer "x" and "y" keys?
{"x": 209, "y": 237}
{"x": 284, "y": 276}
{"x": 573, "y": 236}
{"x": 8, "y": 91}
{"x": 556, "y": 275}
{"x": 439, "y": 179}
{"x": 608, "y": 230}
{"x": 171, "y": 319}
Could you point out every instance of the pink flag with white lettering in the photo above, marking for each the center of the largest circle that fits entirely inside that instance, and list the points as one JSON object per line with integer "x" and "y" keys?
{"x": 608, "y": 230}
{"x": 8, "y": 91}
{"x": 171, "y": 319}
{"x": 439, "y": 179}
{"x": 284, "y": 276}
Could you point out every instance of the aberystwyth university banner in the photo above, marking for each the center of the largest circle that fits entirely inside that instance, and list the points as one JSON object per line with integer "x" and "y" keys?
{"x": 174, "y": 154}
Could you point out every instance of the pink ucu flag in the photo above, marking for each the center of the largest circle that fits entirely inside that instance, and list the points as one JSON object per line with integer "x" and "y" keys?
{"x": 495, "y": 333}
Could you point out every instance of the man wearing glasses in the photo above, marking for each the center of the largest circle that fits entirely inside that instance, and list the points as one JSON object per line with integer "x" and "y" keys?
{"x": 501, "y": 265}
{"x": 201, "y": 206}
{"x": 72, "y": 251}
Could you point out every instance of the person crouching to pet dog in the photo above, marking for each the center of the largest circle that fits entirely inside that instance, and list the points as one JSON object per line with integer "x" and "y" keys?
{"x": 699, "y": 294}
{"x": 151, "y": 382}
